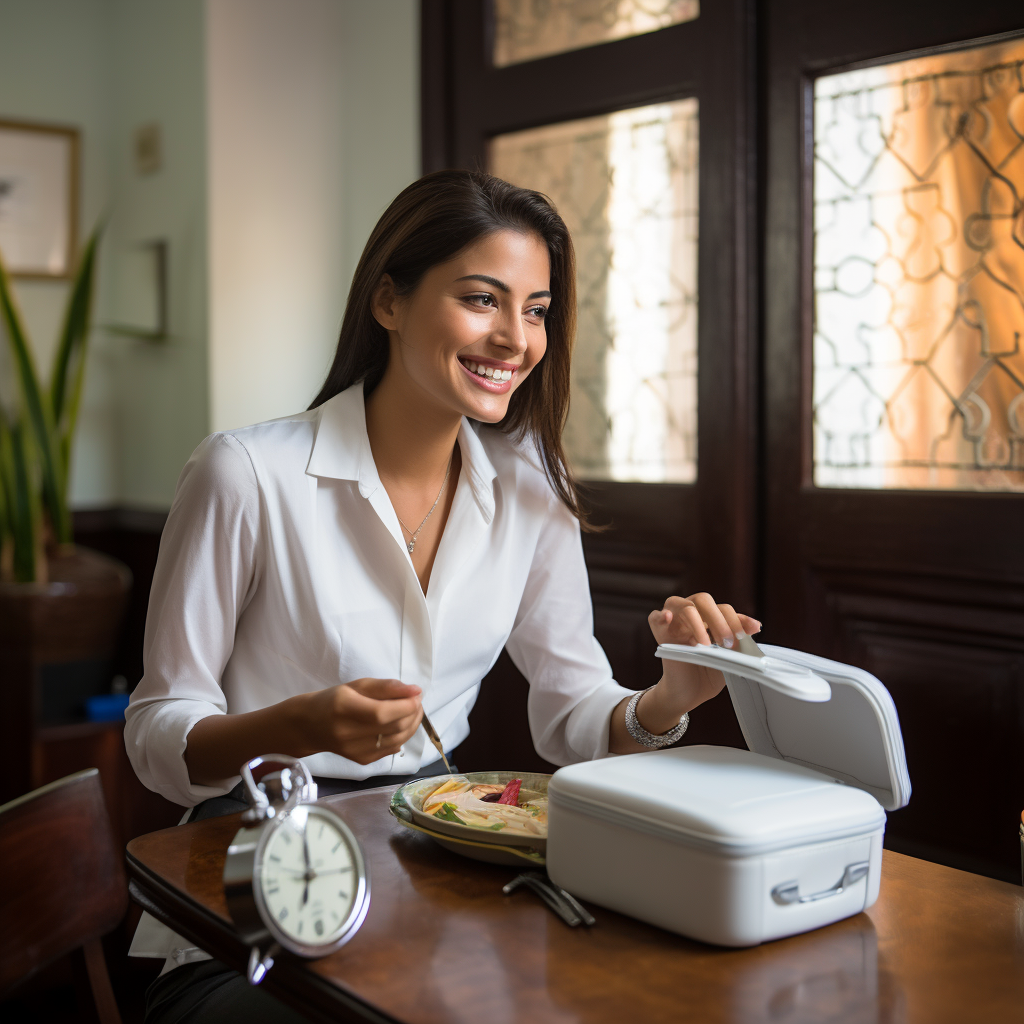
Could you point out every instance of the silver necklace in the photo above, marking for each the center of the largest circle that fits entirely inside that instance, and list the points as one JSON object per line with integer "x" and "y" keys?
{"x": 414, "y": 535}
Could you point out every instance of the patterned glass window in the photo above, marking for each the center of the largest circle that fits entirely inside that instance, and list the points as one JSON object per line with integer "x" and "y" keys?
{"x": 527, "y": 29}
{"x": 626, "y": 185}
{"x": 919, "y": 273}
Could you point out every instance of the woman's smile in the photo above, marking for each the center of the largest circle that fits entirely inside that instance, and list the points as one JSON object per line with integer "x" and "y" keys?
{"x": 490, "y": 374}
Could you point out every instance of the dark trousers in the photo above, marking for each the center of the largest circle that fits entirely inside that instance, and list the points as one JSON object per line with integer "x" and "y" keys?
{"x": 210, "y": 992}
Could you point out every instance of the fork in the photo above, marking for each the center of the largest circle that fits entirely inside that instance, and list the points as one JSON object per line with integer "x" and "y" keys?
{"x": 436, "y": 740}
{"x": 566, "y": 906}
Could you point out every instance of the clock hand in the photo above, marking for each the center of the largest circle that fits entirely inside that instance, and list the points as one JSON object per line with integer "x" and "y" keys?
{"x": 314, "y": 873}
{"x": 310, "y": 873}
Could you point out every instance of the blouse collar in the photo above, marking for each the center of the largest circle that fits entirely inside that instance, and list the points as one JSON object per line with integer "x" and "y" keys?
{"x": 341, "y": 450}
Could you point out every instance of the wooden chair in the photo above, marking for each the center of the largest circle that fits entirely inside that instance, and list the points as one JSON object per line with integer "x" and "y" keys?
{"x": 63, "y": 886}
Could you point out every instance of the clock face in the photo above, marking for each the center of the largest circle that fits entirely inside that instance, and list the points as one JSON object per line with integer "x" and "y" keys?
{"x": 309, "y": 877}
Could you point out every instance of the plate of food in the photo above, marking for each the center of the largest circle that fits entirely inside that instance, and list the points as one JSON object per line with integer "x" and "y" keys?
{"x": 499, "y": 817}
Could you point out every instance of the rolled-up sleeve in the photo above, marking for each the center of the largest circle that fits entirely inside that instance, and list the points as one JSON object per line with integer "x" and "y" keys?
{"x": 572, "y": 692}
{"x": 206, "y": 572}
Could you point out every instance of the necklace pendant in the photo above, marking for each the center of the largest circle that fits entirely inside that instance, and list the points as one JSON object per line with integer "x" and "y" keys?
{"x": 413, "y": 534}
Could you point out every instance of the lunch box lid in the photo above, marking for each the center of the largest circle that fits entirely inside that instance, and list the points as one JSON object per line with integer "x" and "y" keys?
{"x": 731, "y": 802}
{"x": 814, "y": 713}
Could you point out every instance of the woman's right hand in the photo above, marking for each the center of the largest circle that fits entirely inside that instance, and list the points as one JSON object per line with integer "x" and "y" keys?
{"x": 348, "y": 719}
{"x": 344, "y": 720}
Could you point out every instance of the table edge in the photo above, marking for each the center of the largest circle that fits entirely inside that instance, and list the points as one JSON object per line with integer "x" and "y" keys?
{"x": 288, "y": 980}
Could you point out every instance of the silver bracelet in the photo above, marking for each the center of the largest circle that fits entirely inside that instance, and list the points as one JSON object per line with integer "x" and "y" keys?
{"x": 650, "y": 739}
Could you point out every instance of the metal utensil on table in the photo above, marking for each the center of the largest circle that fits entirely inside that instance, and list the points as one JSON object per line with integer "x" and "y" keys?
{"x": 584, "y": 915}
{"x": 436, "y": 740}
{"x": 566, "y": 906}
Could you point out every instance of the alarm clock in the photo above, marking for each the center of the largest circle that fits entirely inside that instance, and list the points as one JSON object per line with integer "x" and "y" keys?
{"x": 295, "y": 877}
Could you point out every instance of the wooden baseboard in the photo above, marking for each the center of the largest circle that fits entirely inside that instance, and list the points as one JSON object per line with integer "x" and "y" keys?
{"x": 118, "y": 518}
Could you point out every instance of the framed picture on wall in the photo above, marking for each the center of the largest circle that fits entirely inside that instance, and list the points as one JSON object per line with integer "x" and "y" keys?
{"x": 38, "y": 199}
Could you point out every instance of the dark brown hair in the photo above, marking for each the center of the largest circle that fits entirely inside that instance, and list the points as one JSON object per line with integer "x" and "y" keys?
{"x": 429, "y": 223}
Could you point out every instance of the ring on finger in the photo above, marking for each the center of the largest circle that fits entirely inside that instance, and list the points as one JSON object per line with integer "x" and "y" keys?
{"x": 380, "y": 737}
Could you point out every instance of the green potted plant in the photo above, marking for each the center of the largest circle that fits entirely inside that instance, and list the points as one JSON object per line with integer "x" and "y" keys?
{"x": 60, "y": 606}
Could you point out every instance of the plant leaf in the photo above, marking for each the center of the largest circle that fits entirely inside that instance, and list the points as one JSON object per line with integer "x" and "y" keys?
{"x": 6, "y": 490}
{"x": 22, "y": 498}
{"x": 71, "y": 351}
{"x": 38, "y": 411}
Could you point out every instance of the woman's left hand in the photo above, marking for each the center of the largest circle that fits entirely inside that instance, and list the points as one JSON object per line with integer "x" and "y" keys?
{"x": 693, "y": 620}
{"x": 696, "y": 620}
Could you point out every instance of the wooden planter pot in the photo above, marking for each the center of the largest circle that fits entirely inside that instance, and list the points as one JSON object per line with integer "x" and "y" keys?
{"x": 56, "y": 644}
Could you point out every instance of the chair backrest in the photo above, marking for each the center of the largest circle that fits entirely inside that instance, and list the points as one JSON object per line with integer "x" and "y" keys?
{"x": 64, "y": 881}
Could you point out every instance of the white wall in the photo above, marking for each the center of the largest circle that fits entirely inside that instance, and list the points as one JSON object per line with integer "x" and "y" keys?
{"x": 381, "y": 154}
{"x": 106, "y": 66}
{"x": 313, "y": 129}
{"x": 274, "y": 101}
{"x": 162, "y": 388}
{"x": 54, "y": 67}
{"x": 311, "y": 109}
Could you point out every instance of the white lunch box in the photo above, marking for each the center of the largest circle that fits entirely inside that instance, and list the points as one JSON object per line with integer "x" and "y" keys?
{"x": 736, "y": 847}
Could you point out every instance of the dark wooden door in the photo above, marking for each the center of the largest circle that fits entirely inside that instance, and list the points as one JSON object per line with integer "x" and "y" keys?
{"x": 923, "y": 587}
{"x": 662, "y": 538}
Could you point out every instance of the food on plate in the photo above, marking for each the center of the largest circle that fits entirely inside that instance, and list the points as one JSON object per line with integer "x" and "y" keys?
{"x": 510, "y": 794}
{"x": 488, "y": 806}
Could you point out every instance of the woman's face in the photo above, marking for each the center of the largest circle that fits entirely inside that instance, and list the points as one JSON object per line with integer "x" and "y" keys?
{"x": 473, "y": 328}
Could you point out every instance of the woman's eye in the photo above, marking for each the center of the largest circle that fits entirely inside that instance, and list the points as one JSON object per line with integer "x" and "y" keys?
{"x": 538, "y": 311}
{"x": 482, "y": 300}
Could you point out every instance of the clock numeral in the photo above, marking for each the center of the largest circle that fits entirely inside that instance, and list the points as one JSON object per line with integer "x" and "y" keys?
{"x": 320, "y": 834}
{"x": 283, "y": 914}
{"x": 319, "y": 926}
{"x": 336, "y": 845}
{"x": 300, "y": 926}
{"x": 270, "y": 892}
{"x": 286, "y": 837}
{"x": 343, "y": 895}
{"x": 274, "y": 856}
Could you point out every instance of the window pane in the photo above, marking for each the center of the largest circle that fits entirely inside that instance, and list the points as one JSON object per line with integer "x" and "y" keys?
{"x": 527, "y": 29}
{"x": 626, "y": 185}
{"x": 919, "y": 273}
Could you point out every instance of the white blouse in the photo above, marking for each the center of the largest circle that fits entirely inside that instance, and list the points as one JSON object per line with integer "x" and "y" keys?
{"x": 283, "y": 570}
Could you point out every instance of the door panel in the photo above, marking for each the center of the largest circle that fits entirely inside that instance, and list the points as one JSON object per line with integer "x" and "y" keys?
{"x": 659, "y": 538}
{"x": 924, "y": 588}
{"x": 626, "y": 185}
{"x": 963, "y": 704}
{"x": 524, "y": 30}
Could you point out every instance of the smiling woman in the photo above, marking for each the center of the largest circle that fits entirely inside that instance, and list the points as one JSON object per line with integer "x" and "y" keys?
{"x": 490, "y": 247}
{"x": 456, "y": 351}
{"x": 448, "y": 323}
{"x": 326, "y": 578}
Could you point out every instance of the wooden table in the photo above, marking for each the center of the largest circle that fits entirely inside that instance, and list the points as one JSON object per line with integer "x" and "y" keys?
{"x": 442, "y": 944}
